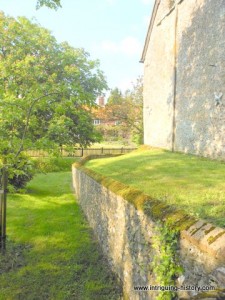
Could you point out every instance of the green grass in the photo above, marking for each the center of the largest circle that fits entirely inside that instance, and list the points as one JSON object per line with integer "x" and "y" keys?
{"x": 53, "y": 164}
{"x": 115, "y": 144}
{"x": 51, "y": 253}
{"x": 196, "y": 185}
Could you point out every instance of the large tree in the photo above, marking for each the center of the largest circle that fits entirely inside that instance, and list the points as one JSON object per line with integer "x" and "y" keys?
{"x": 45, "y": 89}
{"x": 127, "y": 109}
{"x": 115, "y": 97}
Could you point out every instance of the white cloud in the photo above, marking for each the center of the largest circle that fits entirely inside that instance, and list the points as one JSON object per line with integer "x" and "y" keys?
{"x": 129, "y": 46}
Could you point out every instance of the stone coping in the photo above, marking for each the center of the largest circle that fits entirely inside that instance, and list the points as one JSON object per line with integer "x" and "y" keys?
{"x": 208, "y": 238}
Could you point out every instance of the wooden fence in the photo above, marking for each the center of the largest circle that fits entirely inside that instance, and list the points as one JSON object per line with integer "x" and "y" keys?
{"x": 80, "y": 152}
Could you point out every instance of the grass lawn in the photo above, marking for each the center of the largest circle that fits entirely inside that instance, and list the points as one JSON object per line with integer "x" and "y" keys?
{"x": 51, "y": 252}
{"x": 196, "y": 185}
{"x": 115, "y": 144}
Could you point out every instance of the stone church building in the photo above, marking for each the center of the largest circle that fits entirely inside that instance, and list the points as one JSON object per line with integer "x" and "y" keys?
{"x": 184, "y": 77}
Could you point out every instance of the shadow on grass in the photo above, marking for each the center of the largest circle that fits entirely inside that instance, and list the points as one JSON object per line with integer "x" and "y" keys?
{"x": 64, "y": 260}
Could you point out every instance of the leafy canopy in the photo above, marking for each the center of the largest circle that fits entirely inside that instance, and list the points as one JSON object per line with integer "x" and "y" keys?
{"x": 127, "y": 109}
{"x": 45, "y": 89}
{"x": 54, "y": 4}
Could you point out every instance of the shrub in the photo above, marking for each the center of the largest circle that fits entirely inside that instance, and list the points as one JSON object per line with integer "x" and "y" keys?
{"x": 20, "y": 171}
{"x": 53, "y": 164}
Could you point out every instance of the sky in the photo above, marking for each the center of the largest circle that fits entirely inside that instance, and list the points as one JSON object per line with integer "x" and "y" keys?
{"x": 112, "y": 31}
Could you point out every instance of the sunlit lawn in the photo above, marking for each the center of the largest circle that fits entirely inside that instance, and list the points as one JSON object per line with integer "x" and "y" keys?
{"x": 194, "y": 184}
{"x": 115, "y": 144}
{"x": 51, "y": 250}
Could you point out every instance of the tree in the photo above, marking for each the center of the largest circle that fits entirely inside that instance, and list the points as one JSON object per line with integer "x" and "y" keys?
{"x": 54, "y": 4}
{"x": 115, "y": 97}
{"x": 135, "y": 110}
{"x": 128, "y": 110}
{"x": 45, "y": 89}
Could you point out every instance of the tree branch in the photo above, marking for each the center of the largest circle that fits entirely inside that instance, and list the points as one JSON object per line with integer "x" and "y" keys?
{"x": 29, "y": 112}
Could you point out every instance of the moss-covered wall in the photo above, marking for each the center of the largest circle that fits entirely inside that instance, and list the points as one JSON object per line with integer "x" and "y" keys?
{"x": 125, "y": 222}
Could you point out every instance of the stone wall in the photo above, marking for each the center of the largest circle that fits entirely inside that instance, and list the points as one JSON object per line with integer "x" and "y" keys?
{"x": 191, "y": 102}
{"x": 126, "y": 233}
{"x": 159, "y": 84}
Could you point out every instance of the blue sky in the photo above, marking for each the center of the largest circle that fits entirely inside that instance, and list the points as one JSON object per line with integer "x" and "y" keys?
{"x": 112, "y": 31}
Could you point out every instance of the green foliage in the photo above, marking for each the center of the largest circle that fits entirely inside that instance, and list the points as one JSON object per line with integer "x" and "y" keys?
{"x": 55, "y": 254}
{"x": 138, "y": 138}
{"x": 20, "y": 171}
{"x": 115, "y": 97}
{"x": 45, "y": 89}
{"x": 53, "y": 4}
{"x": 53, "y": 164}
{"x": 73, "y": 127}
{"x": 114, "y": 133}
{"x": 165, "y": 264}
{"x": 127, "y": 110}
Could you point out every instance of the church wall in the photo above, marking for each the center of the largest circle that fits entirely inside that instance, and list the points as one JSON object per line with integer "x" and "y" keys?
{"x": 199, "y": 99}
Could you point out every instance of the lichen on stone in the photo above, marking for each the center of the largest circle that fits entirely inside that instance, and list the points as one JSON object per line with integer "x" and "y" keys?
{"x": 195, "y": 230}
{"x": 212, "y": 239}
{"x": 209, "y": 230}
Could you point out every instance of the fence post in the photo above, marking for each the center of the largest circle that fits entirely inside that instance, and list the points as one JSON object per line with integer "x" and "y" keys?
{"x": 1, "y": 201}
{"x": 3, "y": 193}
{"x": 102, "y": 150}
{"x": 61, "y": 150}
{"x": 82, "y": 152}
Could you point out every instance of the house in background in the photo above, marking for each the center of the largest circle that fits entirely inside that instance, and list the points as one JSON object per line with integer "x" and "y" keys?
{"x": 98, "y": 112}
{"x": 112, "y": 128}
{"x": 184, "y": 77}
{"x": 101, "y": 116}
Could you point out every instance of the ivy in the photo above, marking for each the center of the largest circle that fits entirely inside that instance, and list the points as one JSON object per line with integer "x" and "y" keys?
{"x": 165, "y": 263}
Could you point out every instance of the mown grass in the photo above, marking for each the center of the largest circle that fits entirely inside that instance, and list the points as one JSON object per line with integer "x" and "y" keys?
{"x": 51, "y": 253}
{"x": 115, "y": 144}
{"x": 194, "y": 184}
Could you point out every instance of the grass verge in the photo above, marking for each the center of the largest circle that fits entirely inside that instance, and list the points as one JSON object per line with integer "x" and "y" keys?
{"x": 195, "y": 185}
{"x": 51, "y": 253}
{"x": 53, "y": 164}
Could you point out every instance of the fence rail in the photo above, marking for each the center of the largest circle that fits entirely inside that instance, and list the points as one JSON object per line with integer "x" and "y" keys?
{"x": 80, "y": 152}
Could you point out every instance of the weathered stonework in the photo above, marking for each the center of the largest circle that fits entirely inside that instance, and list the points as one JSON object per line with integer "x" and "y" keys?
{"x": 125, "y": 234}
{"x": 184, "y": 78}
